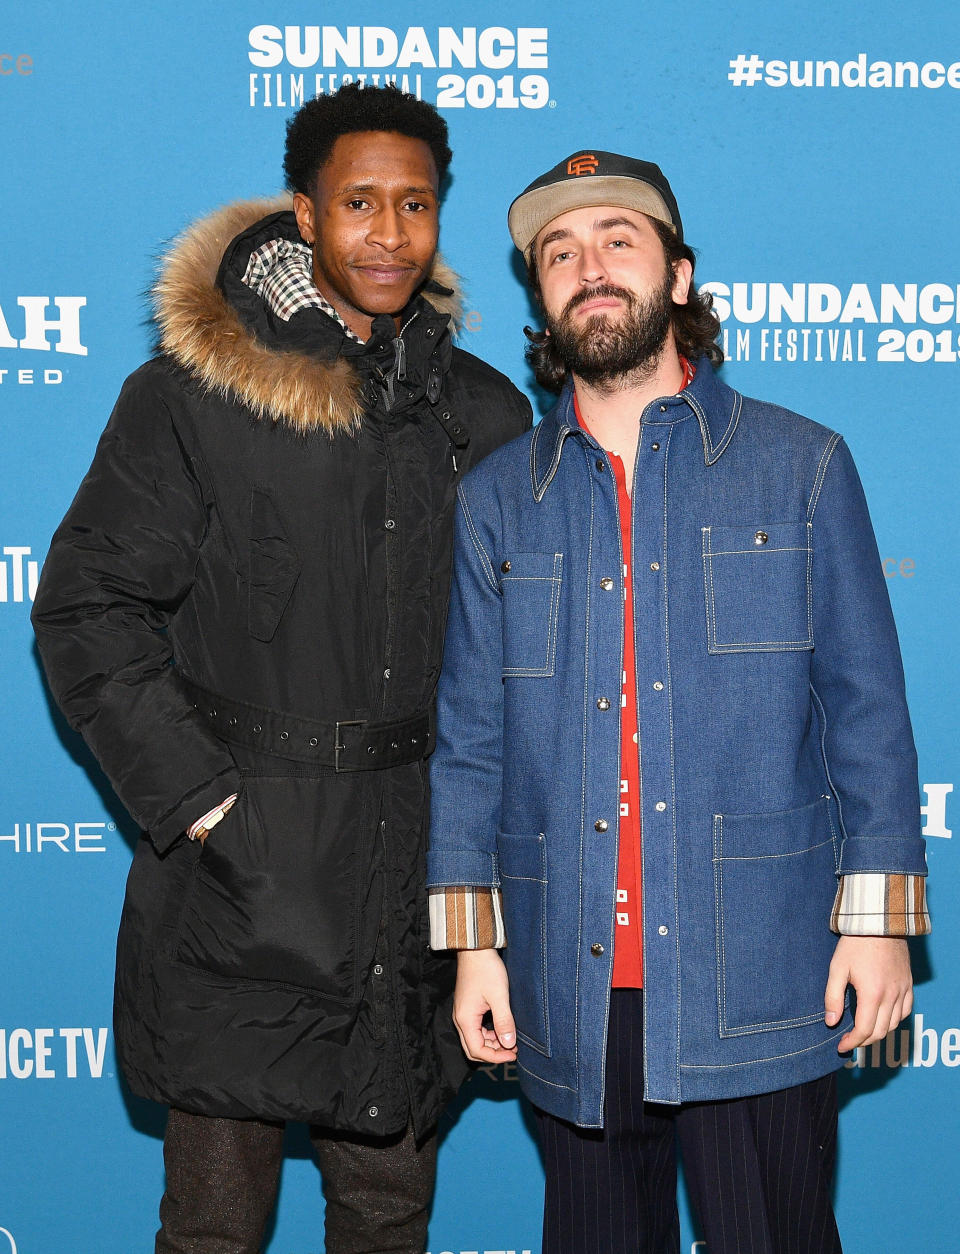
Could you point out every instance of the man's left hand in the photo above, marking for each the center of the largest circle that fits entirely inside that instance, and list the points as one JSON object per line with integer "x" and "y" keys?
{"x": 878, "y": 969}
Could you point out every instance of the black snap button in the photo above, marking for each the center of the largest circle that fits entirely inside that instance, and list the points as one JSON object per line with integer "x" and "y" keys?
{"x": 213, "y": 714}
{"x": 284, "y": 735}
{"x": 663, "y": 409}
{"x": 445, "y": 415}
{"x": 390, "y": 524}
{"x": 655, "y": 447}
{"x": 600, "y": 464}
{"x": 313, "y": 742}
{"x": 504, "y": 567}
{"x": 414, "y": 740}
{"x": 394, "y": 744}
{"x": 431, "y": 330}
{"x": 597, "y": 951}
{"x": 371, "y": 749}
{"x": 257, "y": 727}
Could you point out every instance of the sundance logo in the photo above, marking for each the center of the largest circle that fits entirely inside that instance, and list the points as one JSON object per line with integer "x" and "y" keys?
{"x": 7, "y": 1237}
{"x": 406, "y": 58}
{"x": 49, "y": 1053}
{"x": 823, "y": 322}
{"x": 19, "y": 574}
{"x": 915, "y": 1045}
{"x": 38, "y": 324}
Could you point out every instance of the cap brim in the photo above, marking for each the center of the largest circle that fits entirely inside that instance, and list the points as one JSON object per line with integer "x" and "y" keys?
{"x": 533, "y": 210}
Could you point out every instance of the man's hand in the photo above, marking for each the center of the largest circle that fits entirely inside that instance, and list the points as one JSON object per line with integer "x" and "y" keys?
{"x": 878, "y": 968}
{"x": 482, "y": 985}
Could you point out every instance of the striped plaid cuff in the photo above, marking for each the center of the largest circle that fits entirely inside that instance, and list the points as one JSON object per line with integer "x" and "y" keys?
{"x": 466, "y": 917}
{"x": 878, "y": 904}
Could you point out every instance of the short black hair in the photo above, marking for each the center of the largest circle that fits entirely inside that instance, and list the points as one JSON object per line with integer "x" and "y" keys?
{"x": 316, "y": 127}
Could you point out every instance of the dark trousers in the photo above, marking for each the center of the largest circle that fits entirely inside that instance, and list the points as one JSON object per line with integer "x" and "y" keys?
{"x": 222, "y": 1177}
{"x": 759, "y": 1170}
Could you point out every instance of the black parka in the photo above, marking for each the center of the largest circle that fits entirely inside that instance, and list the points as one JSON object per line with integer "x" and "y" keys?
{"x": 260, "y": 552}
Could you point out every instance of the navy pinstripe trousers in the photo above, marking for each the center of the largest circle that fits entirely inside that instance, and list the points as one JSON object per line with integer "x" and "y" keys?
{"x": 759, "y": 1170}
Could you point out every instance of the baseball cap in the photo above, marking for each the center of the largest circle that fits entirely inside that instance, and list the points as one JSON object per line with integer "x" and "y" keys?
{"x": 592, "y": 177}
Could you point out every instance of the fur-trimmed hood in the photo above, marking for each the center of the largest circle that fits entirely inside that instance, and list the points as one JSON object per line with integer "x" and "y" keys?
{"x": 201, "y": 330}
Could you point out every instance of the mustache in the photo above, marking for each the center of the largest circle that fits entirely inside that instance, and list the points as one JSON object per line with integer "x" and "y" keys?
{"x": 388, "y": 263}
{"x": 601, "y": 291}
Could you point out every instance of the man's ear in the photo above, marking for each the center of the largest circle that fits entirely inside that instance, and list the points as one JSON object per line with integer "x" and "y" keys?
{"x": 303, "y": 210}
{"x": 682, "y": 278}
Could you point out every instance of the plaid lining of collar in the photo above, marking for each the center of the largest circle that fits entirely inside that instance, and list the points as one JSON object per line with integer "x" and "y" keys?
{"x": 281, "y": 273}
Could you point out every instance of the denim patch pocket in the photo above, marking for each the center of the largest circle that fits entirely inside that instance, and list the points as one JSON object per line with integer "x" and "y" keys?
{"x": 274, "y": 567}
{"x": 758, "y": 590}
{"x": 775, "y": 877}
{"x": 531, "y": 604}
{"x": 523, "y": 883}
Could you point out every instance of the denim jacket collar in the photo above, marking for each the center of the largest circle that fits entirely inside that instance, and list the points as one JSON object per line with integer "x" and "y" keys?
{"x": 715, "y": 406}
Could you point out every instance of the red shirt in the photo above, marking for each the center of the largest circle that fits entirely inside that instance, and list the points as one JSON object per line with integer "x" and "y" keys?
{"x": 628, "y": 943}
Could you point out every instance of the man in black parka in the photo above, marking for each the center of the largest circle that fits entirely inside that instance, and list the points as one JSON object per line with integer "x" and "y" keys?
{"x": 242, "y": 613}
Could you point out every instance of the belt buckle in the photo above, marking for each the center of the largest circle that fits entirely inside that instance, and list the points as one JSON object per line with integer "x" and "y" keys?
{"x": 337, "y": 746}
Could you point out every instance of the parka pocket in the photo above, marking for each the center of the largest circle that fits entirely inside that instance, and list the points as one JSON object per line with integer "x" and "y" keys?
{"x": 757, "y": 582}
{"x": 523, "y": 884}
{"x": 531, "y": 585}
{"x": 275, "y": 891}
{"x": 274, "y": 567}
{"x": 775, "y": 877}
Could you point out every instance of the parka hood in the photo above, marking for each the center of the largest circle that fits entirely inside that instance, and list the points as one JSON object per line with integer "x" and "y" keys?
{"x": 203, "y": 332}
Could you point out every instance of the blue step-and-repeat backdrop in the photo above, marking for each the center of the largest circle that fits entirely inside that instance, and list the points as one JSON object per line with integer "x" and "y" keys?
{"x": 813, "y": 149}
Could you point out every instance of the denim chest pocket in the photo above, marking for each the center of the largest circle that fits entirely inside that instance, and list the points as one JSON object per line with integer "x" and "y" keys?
{"x": 757, "y": 583}
{"x": 530, "y": 584}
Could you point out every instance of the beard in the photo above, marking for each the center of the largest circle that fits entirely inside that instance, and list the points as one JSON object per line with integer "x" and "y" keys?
{"x": 606, "y": 351}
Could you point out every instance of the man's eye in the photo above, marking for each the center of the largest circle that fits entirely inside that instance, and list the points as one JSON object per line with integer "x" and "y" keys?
{"x": 559, "y": 257}
{"x": 356, "y": 204}
{"x": 415, "y": 205}
{"x": 619, "y": 243}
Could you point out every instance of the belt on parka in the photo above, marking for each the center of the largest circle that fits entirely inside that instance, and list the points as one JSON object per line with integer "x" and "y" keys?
{"x": 345, "y": 745}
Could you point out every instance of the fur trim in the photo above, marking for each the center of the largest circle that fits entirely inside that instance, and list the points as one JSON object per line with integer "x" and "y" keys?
{"x": 200, "y": 330}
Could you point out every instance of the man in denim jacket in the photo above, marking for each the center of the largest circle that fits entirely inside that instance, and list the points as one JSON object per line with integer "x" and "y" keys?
{"x": 664, "y": 804}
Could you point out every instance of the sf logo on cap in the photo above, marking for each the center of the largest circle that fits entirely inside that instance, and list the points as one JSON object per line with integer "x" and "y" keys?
{"x": 586, "y": 164}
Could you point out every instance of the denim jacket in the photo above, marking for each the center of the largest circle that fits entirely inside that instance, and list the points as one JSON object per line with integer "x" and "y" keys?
{"x": 775, "y": 745}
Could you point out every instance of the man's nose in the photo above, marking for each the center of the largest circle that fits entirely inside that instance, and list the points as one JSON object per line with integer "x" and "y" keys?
{"x": 387, "y": 230}
{"x": 592, "y": 268}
